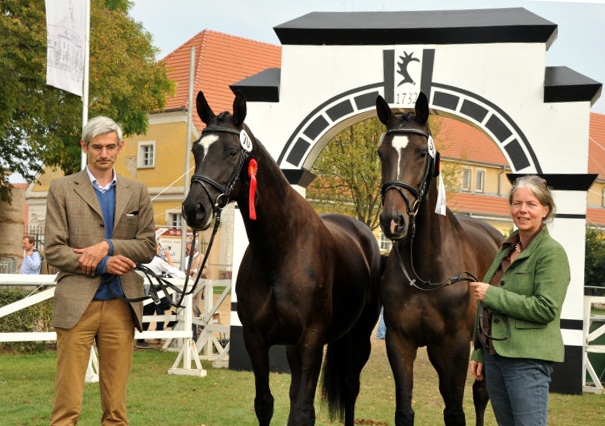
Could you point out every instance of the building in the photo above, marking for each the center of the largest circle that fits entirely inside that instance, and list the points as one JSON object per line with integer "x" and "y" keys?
{"x": 158, "y": 157}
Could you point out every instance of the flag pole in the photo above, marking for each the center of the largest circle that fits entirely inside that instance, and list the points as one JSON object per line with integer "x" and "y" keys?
{"x": 188, "y": 158}
{"x": 85, "y": 79}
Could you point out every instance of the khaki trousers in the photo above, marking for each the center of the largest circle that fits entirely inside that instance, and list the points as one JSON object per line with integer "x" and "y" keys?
{"x": 110, "y": 323}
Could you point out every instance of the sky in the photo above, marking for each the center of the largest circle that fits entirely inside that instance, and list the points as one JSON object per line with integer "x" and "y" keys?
{"x": 579, "y": 45}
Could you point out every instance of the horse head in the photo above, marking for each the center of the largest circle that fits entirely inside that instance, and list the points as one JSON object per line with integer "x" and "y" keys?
{"x": 220, "y": 156}
{"x": 409, "y": 161}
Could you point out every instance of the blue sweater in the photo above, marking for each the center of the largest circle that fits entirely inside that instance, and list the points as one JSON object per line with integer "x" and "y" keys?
{"x": 107, "y": 200}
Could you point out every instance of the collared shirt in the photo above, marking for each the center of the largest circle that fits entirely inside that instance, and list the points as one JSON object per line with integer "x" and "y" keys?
{"x": 96, "y": 185}
{"x": 31, "y": 264}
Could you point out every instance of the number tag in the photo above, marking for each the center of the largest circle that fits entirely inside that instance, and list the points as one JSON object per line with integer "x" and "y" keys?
{"x": 431, "y": 147}
{"x": 245, "y": 140}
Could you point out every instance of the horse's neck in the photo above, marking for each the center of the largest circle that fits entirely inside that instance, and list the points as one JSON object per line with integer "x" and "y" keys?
{"x": 430, "y": 226}
{"x": 279, "y": 208}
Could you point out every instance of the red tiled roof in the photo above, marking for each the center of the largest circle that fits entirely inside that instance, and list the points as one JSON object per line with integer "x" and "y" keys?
{"x": 464, "y": 202}
{"x": 220, "y": 60}
{"x": 595, "y": 216}
{"x": 456, "y": 139}
{"x": 596, "y": 144}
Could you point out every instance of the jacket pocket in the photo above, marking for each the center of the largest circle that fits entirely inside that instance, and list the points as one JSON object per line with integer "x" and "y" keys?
{"x": 522, "y": 324}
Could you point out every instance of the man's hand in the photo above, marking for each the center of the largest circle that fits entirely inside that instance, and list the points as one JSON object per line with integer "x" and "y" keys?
{"x": 119, "y": 265}
{"x": 91, "y": 256}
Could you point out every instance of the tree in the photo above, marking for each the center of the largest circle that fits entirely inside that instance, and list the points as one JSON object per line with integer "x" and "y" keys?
{"x": 594, "y": 266}
{"x": 40, "y": 126}
{"x": 349, "y": 174}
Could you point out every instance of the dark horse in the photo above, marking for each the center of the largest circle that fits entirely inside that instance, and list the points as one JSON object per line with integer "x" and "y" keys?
{"x": 304, "y": 281}
{"x": 425, "y": 288}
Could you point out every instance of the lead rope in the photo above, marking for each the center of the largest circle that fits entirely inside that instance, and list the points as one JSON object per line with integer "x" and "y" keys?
{"x": 163, "y": 284}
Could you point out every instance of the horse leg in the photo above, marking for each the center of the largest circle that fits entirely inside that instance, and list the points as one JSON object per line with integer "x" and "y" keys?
{"x": 450, "y": 359}
{"x": 480, "y": 398}
{"x": 302, "y": 388}
{"x": 401, "y": 354}
{"x": 259, "y": 355}
{"x": 294, "y": 361}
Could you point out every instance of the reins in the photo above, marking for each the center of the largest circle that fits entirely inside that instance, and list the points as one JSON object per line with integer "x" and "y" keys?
{"x": 412, "y": 211}
{"x": 219, "y": 204}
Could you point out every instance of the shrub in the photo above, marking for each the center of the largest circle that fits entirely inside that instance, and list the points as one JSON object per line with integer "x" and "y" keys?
{"x": 35, "y": 318}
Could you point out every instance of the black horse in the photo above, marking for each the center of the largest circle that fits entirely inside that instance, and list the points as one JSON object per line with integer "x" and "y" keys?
{"x": 304, "y": 281}
{"x": 425, "y": 288}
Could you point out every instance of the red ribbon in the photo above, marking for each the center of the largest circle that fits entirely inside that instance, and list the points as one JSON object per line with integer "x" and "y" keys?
{"x": 252, "y": 169}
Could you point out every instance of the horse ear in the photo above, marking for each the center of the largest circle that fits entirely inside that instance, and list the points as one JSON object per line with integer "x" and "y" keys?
{"x": 422, "y": 108}
{"x": 203, "y": 109}
{"x": 385, "y": 115}
{"x": 239, "y": 108}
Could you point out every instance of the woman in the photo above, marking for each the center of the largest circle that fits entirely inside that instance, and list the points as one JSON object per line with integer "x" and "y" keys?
{"x": 518, "y": 334}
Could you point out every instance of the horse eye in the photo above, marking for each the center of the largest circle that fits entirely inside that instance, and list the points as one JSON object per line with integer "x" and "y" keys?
{"x": 233, "y": 153}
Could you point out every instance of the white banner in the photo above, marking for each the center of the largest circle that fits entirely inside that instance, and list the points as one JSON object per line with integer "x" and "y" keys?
{"x": 66, "y": 29}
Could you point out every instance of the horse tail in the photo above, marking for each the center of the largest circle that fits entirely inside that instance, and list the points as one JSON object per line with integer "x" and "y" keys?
{"x": 333, "y": 378}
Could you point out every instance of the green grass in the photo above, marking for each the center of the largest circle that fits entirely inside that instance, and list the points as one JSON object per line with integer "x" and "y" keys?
{"x": 225, "y": 398}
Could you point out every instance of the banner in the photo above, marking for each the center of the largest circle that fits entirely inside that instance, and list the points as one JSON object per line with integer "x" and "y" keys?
{"x": 66, "y": 29}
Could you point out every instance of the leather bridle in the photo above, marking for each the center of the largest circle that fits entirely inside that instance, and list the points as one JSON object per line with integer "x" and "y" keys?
{"x": 399, "y": 186}
{"x": 223, "y": 198}
{"x": 412, "y": 210}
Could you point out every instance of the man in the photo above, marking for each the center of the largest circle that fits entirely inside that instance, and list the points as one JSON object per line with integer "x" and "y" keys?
{"x": 197, "y": 262}
{"x": 98, "y": 225}
{"x": 32, "y": 260}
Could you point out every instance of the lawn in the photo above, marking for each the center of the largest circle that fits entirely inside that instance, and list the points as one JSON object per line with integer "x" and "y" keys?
{"x": 225, "y": 397}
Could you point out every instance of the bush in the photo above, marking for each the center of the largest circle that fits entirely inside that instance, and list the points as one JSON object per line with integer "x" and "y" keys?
{"x": 35, "y": 318}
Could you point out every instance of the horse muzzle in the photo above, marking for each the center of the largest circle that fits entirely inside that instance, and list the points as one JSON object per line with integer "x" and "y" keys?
{"x": 394, "y": 225}
{"x": 198, "y": 214}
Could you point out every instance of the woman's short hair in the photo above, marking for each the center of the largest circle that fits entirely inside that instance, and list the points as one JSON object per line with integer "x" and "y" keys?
{"x": 99, "y": 126}
{"x": 537, "y": 186}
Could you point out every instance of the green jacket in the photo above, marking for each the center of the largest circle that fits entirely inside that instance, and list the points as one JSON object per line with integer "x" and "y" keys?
{"x": 531, "y": 295}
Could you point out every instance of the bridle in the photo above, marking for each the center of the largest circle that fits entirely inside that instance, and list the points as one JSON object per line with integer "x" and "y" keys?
{"x": 399, "y": 186}
{"x": 412, "y": 210}
{"x": 221, "y": 200}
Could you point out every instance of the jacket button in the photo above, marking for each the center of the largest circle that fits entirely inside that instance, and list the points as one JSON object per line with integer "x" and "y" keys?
{"x": 102, "y": 225}
{"x": 502, "y": 283}
{"x": 496, "y": 321}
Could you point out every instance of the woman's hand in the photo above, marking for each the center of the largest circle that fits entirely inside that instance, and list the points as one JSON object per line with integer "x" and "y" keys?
{"x": 479, "y": 290}
{"x": 476, "y": 370}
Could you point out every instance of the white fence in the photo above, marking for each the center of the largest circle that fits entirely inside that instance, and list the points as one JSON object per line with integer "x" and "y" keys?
{"x": 590, "y": 346}
{"x": 178, "y": 339}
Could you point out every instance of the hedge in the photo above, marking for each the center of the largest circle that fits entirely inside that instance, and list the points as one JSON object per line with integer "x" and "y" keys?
{"x": 34, "y": 318}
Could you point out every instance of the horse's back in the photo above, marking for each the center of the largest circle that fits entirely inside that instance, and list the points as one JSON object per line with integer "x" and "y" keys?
{"x": 481, "y": 235}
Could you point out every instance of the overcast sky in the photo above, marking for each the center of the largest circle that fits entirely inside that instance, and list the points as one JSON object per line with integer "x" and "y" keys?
{"x": 579, "y": 45}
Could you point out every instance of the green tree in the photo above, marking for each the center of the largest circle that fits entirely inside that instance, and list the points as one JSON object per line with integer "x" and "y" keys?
{"x": 594, "y": 266}
{"x": 41, "y": 126}
{"x": 349, "y": 175}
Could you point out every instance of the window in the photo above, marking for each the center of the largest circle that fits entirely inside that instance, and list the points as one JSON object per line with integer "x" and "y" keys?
{"x": 146, "y": 157}
{"x": 479, "y": 181}
{"x": 467, "y": 174}
{"x": 603, "y": 197}
{"x": 173, "y": 220}
{"x": 385, "y": 243}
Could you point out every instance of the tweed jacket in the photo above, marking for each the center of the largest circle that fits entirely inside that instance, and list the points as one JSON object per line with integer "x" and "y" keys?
{"x": 530, "y": 296}
{"x": 74, "y": 220}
